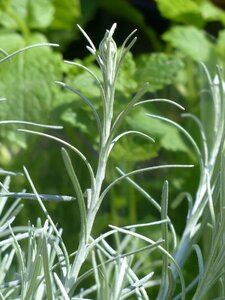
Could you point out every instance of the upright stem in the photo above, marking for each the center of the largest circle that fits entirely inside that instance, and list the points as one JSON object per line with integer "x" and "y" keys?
{"x": 107, "y": 60}
{"x": 83, "y": 249}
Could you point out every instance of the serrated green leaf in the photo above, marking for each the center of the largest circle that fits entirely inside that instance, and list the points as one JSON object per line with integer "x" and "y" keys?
{"x": 190, "y": 11}
{"x": 11, "y": 41}
{"x": 70, "y": 117}
{"x": 66, "y": 14}
{"x": 185, "y": 11}
{"x": 158, "y": 69}
{"x": 133, "y": 152}
{"x": 40, "y": 13}
{"x": 86, "y": 84}
{"x": 210, "y": 12}
{"x": 35, "y": 14}
{"x": 190, "y": 41}
{"x": 27, "y": 83}
{"x": 7, "y": 16}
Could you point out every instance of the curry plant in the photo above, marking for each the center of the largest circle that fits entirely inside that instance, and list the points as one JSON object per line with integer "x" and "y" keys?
{"x": 207, "y": 207}
{"x": 118, "y": 270}
{"x": 109, "y": 59}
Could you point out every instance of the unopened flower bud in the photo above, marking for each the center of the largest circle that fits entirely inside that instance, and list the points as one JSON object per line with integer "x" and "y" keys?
{"x": 108, "y": 53}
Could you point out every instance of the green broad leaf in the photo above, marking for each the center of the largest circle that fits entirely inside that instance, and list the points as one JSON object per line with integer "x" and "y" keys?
{"x": 185, "y": 11}
{"x": 172, "y": 140}
{"x": 210, "y": 12}
{"x": 158, "y": 69}
{"x": 86, "y": 84}
{"x": 126, "y": 83}
{"x": 11, "y": 41}
{"x": 67, "y": 13}
{"x": 168, "y": 136}
{"x": 191, "y": 12}
{"x": 220, "y": 45}
{"x": 33, "y": 14}
{"x": 70, "y": 116}
{"x": 27, "y": 82}
{"x": 63, "y": 27}
{"x": 13, "y": 12}
{"x": 40, "y": 13}
{"x": 133, "y": 151}
{"x": 190, "y": 41}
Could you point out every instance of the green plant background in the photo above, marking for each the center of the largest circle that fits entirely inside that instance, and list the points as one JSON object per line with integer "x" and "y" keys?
{"x": 173, "y": 37}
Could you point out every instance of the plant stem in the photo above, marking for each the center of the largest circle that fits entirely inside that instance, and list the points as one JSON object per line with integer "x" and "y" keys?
{"x": 83, "y": 250}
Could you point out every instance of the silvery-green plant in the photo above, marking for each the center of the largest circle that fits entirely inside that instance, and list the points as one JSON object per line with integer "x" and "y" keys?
{"x": 118, "y": 271}
{"x": 206, "y": 210}
{"x": 109, "y": 59}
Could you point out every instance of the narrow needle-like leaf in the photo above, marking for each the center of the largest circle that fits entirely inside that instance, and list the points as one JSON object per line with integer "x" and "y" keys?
{"x": 128, "y": 108}
{"x": 61, "y": 287}
{"x": 87, "y": 102}
{"x": 48, "y": 216}
{"x": 77, "y": 187}
{"x": 119, "y": 136}
{"x": 30, "y": 123}
{"x": 164, "y": 287}
{"x": 47, "y": 271}
{"x": 69, "y": 146}
{"x": 33, "y": 196}
{"x": 28, "y": 48}
{"x": 87, "y": 37}
{"x": 137, "y": 172}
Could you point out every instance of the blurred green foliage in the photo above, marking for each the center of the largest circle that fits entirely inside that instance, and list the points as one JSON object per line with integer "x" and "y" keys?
{"x": 167, "y": 58}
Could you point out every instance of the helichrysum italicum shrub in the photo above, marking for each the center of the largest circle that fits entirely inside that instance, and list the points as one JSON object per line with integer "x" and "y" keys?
{"x": 47, "y": 271}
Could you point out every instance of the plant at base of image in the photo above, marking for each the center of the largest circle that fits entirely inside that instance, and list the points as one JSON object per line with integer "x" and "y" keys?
{"x": 136, "y": 261}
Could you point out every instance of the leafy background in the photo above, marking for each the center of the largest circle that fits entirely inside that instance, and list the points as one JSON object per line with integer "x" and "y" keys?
{"x": 173, "y": 37}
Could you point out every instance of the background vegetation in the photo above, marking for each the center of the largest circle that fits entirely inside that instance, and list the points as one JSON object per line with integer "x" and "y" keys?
{"x": 173, "y": 37}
